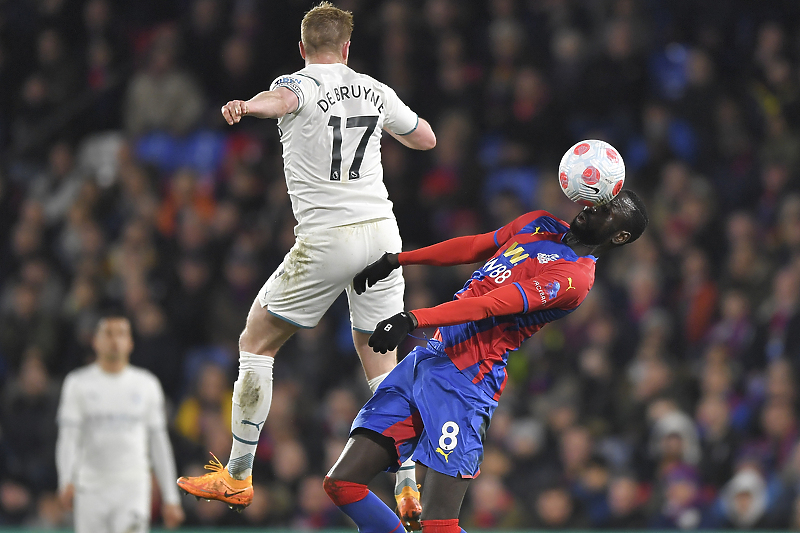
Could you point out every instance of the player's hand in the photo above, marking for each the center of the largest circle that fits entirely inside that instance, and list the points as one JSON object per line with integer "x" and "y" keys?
{"x": 234, "y": 110}
{"x": 390, "y": 332}
{"x": 172, "y": 514}
{"x": 375, "y": 272}
{"x": 66, "y": 497}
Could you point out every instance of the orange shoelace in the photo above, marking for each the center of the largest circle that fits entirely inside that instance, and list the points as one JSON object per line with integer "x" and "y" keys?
{"x": 214, "y": 465}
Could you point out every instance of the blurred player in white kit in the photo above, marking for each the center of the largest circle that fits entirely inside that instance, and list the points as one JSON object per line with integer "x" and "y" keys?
{"x": 112, "y": 430}
{"x": 330, "y": 121}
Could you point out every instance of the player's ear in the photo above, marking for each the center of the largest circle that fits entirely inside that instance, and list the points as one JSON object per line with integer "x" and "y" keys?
{"x": 346, "y": 51}
{"x": 621, "y": 237}
{"x": 302, "y": 49}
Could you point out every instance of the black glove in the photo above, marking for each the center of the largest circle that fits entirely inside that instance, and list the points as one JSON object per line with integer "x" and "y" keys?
{"x": 388, "y": 333}
{"x": 375, "y": 272}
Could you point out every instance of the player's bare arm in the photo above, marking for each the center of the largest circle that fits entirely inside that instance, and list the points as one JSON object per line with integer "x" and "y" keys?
{"x": 67, "y": 496}
{"x": 266, "y": 104}
{"x": 172, "y": 514}
{"x": 422, "y": 138}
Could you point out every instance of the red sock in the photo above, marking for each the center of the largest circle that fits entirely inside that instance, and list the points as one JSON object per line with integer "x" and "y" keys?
{"x": 344, "y": 492}
{"x": 440, "y": 526}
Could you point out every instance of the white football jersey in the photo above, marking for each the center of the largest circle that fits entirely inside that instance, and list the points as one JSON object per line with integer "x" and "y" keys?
{"x": 115, "y": 413}
{"x": 331, "y": 145}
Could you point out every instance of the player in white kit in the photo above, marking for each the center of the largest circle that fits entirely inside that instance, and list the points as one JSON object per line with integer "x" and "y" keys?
{"x": 111, "y": 430}
{"x": 330, "y": 120}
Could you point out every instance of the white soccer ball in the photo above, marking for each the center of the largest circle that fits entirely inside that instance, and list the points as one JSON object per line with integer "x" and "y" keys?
{"x": 591, "y": 173}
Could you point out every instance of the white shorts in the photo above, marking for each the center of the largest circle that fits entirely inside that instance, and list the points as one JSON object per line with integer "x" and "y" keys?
{"x": 118, "y": 508}
{"x": 321, "y": 265}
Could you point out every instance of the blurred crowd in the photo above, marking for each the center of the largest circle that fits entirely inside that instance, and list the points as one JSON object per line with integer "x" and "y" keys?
{"x": 668, "y": 399}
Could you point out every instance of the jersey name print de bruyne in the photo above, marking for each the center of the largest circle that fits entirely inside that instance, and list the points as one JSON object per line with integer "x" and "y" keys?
{"x": 331, "y": 145}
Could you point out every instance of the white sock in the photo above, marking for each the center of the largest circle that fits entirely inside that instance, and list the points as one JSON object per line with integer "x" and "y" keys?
{"x": 406, "y": 475}
{"x": 252, "y": 396}
{"x": 374, "y": 382}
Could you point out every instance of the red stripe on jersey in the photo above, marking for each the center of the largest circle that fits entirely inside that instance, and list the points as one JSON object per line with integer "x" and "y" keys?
{"x": 404, "y": 430}
{"x": 496, "y": 397}
{"x": 484, "y": 368}
{"x": 493, "y": 342}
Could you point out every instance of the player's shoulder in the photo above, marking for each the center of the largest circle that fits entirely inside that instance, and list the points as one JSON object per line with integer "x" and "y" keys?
{"x": 538, "y": 222}
{"x": 297, "y": 80}
{"x": 365, "y": 77}
{"x": 378, "y": 85}
{"x": 82, "y": 373}
{"x": 306, "y": 74}
{"x": 541, "y": 221}
{"x": 143, "y": 374}
{"x": 579, "y": 271}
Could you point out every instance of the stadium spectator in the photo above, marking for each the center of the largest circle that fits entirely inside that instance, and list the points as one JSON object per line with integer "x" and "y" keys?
{"x": 744, "y": 502}
{"x": 625, "y": 503}
{"x": 28, "y": 421}
{"x": 681, "y": 507}
{"x": 554, "y": 508}
{"x": 160, "y": 96}
{"x": 206, "y": 409}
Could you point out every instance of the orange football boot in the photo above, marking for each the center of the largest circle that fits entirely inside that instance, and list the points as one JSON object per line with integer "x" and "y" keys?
{"x": 409, "y": 508}
{"x": 219, "y": 485}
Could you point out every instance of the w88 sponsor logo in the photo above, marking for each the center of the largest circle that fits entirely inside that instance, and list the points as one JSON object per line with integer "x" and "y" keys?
{"x": 497, "y": 270}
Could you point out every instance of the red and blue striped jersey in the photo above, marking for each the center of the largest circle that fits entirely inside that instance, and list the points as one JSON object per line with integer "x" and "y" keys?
{"x": 530, "y": 280}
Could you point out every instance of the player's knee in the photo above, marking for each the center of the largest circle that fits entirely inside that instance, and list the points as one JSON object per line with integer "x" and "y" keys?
{"x": 344, "y": 492}
{"x": 329, "y": 485}
{"x": 244, "y": 341}
{"x": 251, "y": 343}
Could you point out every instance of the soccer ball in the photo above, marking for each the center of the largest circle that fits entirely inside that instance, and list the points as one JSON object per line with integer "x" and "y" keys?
{"x": 591, "y": 173}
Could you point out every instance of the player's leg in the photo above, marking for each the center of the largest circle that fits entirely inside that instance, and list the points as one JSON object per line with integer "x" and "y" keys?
{"x": 406, "y": 492}
{"x": 442, "y": 501}
{"x": 296, "y": 295}
{"x": 263, "y": 335}
{"x": 380, "y": 301}
{"x": 455, "y": 414}
{"x": 376, "y": 365}
{"x": 131, "y": 507}
{"x": 383, "y": 300}
{"x": 92, "y": 511}
{"x": 385, "y": 431}
{"x": 366, "y": 454}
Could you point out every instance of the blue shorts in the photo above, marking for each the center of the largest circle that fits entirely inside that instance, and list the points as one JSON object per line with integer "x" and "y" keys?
{"x": 432, "y": 412}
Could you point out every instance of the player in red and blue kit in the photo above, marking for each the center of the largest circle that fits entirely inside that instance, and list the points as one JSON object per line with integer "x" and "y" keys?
{"x": 435, "y": 406}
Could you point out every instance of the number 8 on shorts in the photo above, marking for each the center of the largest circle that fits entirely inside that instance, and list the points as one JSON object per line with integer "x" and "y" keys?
{"x": 448, "y": 440}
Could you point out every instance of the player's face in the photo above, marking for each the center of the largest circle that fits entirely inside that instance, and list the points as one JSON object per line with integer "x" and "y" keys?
{"x": 596, "y": 225}
{"x": 113, "y": 339}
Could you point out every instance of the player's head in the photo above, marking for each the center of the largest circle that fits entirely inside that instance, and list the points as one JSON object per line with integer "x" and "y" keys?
{"x": 326, "y": 29}
{"x": 112, "y": 341}
{"x": 621, "y": 221}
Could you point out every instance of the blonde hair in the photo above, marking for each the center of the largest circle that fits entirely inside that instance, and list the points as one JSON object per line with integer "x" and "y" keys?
{"x": 325, "y": 28}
